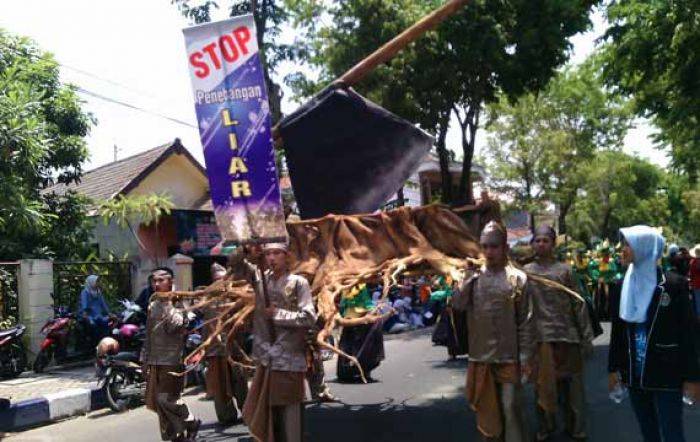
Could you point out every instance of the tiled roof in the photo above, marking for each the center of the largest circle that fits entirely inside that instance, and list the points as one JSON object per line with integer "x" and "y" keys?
{"x": 109, "y": 180}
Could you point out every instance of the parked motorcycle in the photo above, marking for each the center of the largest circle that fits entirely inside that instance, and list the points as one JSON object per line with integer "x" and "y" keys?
{"x": 119, "y": 371}
{"x": 55, "y": 343}
{"x": 13, "y": 357}
{"x": 130, "y": 327}
{"x": 62, "y": 331}
{"x": 120, "y": 376}
{"x": 196, "y": 367}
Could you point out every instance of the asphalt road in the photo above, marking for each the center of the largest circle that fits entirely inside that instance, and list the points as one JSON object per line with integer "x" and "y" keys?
{"x": 418, "y": 396}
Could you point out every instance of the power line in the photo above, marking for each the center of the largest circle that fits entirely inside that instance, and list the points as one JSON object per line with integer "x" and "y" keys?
{"x": 107, "y": 80}
{"x": 104, "y": 97}
{"x": 131, "y": 106}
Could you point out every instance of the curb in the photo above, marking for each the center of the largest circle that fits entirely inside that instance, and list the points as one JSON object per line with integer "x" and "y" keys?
{"x": 51, "y": 408}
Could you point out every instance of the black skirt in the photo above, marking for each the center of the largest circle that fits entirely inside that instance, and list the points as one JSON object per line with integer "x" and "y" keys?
{"x": 452, "y": 337}
{"x": 366, "y": 343}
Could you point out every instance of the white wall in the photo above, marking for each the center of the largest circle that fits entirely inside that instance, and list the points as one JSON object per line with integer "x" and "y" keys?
{"x": 177, "y": 177}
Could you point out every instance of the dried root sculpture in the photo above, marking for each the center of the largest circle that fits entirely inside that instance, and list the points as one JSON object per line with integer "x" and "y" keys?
{"x": 337, "y": 252}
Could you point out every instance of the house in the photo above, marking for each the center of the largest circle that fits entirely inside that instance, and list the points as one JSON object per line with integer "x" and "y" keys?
{"x": 189, "y": 229}
{"x": 423, "y": 186}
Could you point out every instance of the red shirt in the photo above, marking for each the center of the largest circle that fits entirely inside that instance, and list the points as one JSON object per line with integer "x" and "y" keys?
{"x": 695, "y": 273}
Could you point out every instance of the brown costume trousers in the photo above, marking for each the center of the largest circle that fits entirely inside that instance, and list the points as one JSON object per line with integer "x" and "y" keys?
{"x": 273, "y": 408}
{"x": 228, "y": 385}
{"x": 163, "y": 392}
{"x": 560, "y": 372}
{"x": 495, "y": 394}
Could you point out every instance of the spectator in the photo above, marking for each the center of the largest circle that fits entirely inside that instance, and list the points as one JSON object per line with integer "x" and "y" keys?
{"x": 94, "y": 308}
{"x": 145, "y": 296}
{"x": 694, "y": 274}
{"x": 653, "y": 341}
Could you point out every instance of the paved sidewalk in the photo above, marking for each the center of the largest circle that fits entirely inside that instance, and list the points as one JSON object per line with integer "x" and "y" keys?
{"x": 54, "y": 380}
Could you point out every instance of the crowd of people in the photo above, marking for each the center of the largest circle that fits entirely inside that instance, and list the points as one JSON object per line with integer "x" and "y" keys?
{"x": 517, "y": 325}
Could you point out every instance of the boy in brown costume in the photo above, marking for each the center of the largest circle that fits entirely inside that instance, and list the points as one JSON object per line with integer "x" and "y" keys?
{"x": 500, "y": 337}
{"x": 564, "y": 339}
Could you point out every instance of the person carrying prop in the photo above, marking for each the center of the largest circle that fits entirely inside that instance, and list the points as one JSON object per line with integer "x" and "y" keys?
{"x": 316, "y": 374}
{"x": 284, "y": 312}
{"x": 227, "y": 383}
{"x": 653, "y": 343}
{"x": 500, "y": 338}
{"x": 162, "y": 356}
{"x": 564, "y": 340}
{"x": 362, "y": 335}
{"x": 450, "y": 330}
{"x": 582, "y": 286}
{"x": 607, "y": 269}
{"x": 594, "y": 278}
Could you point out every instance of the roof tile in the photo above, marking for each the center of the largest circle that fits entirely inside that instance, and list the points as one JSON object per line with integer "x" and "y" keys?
{"x": 107, "y": 181}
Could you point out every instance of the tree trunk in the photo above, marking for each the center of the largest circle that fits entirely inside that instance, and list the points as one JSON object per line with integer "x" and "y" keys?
{"x": 469, "y": 127}
{"x": 563, "y": 211}
{"x": 274, "y": 92}
{"x": 444, "y": 158}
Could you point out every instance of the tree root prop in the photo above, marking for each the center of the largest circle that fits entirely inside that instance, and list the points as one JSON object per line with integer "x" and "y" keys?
{"x": 338, "y": 252}
{"x": 341, "y": 353}
{"x": 238, "y": 364}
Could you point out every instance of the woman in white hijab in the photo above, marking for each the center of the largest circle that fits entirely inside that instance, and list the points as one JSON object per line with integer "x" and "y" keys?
{"x": 654, "y": 341}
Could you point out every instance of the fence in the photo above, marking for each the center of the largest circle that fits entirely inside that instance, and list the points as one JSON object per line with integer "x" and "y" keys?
{"x": 69, "y": 281}
{"x": 9, "y": 301}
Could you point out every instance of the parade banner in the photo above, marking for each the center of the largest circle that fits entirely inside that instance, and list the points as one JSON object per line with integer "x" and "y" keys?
{"x": 234, "y": 125}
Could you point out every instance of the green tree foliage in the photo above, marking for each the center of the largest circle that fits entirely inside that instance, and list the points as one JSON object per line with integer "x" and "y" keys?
{"x": 134, "y": 210}
{"x": 541, "y": 143}
{"x": 654, "y": 55}
{"x": 620, "y": 190}
{"x": 488, "y": 46}
{"x": 42, "y": 130}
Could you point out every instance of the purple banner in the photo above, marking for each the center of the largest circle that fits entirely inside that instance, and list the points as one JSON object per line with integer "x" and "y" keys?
{"x": 234, "y": 125}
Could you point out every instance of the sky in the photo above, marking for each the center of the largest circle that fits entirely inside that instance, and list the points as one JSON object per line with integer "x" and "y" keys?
{"x": 128, "y": 59}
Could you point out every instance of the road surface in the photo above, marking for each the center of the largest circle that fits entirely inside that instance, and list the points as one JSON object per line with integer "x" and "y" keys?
{"x": 418, "y": 396}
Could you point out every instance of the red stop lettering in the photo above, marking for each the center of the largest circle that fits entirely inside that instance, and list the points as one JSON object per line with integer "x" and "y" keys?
{"x": 242, "y": 36}
{"x": 229, "y": 46}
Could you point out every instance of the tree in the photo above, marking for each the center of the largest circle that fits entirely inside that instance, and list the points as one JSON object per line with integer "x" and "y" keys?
{"x": 489, "y": 46}
{"x": 137, "y": 209}
{"x": 42, "y": 130}
{"x": 620, "y": 191}
{"x": 652, "y": 54}
{"x": 515, "y": 156}
{"x": 684, "y": 207}
{"x": 541, "y": 143}
{"x": 269, "y": 17}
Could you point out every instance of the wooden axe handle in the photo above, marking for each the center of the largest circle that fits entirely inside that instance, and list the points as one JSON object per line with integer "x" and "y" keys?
{"x": 391, "y": 48}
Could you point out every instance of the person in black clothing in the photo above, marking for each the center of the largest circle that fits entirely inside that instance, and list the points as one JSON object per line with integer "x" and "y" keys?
{"x": 145, "y": 296}
{"x": 653, "y": 341}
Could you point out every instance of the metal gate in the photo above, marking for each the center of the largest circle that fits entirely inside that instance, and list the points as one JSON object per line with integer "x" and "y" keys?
{"x": 69, "y": 281}
{"x": 9, "y": 300}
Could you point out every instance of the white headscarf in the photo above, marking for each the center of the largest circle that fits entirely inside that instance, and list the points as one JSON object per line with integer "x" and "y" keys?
{"x": 641, "y": 277}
